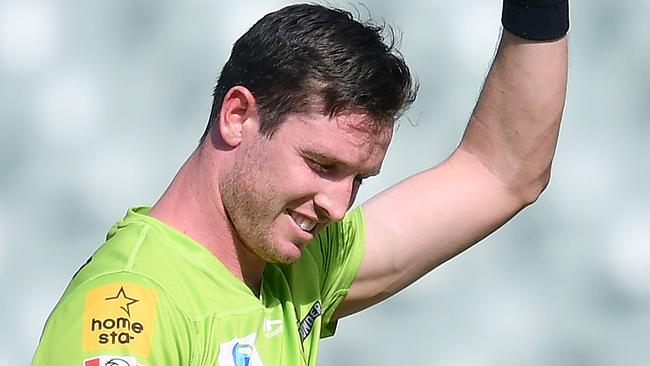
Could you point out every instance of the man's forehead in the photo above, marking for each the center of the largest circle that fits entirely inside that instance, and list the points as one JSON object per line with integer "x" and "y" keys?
{"x": 357, "y": 125}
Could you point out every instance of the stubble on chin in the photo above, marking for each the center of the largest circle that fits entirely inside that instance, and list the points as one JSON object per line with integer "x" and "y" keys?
{"x": 251, "y": 215}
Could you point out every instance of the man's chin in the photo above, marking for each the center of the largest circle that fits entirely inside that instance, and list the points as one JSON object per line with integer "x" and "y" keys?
{"x": 292, "y": 253}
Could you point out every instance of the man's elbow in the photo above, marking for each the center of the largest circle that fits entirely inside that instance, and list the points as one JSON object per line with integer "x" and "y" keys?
{"x": 530, "y": 192}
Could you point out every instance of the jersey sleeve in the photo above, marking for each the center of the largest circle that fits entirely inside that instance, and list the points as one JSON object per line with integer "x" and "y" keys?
{"x": 120, "y": 317}
{"x": 338, "y": 251}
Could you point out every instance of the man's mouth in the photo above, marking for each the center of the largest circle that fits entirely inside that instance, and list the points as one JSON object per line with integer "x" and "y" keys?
{"x": 303, "y": 222}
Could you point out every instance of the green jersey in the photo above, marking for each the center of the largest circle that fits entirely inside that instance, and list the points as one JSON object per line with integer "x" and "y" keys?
{"x": 152, "y": 296}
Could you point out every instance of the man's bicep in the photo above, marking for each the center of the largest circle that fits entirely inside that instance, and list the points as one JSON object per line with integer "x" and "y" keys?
{"x": 420, "y": 223}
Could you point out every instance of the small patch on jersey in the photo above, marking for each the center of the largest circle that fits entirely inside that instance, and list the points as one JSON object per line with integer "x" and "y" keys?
{"x": 272, "y": 327}
{"x": 105, "y": 360}
{"x": 305, "y": 326}
{"x": 240, "y": 352}
{"x": 119, "y": 315}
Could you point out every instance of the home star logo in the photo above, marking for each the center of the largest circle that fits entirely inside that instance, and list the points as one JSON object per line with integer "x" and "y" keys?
{"x": 123, "y": 301}
{"x": 120, "y": 316}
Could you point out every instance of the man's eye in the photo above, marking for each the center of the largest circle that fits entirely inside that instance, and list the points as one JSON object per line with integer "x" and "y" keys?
{"x": 318, "y": 167}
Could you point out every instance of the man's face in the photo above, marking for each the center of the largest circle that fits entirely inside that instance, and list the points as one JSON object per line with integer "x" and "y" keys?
{"x": 282, "y": 190}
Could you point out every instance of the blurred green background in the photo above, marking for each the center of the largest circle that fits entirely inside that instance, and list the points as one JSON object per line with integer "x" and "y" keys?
{"x": 102, "y": 101}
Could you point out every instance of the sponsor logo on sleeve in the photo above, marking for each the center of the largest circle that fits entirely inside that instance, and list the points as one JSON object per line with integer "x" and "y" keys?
{"x": 305, "y": 326}
{"x": 119, "y": 315}
{"x": 240, "y": 352}
{"x": 111, "y": 361}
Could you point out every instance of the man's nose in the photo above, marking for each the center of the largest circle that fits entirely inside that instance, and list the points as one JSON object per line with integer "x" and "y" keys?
{"x": 335, "y": 198}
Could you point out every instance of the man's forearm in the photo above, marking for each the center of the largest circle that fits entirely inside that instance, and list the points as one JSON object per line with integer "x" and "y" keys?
{"x": 514, "y": 127}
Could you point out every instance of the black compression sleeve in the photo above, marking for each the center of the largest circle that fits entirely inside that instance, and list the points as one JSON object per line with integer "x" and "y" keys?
{"x": 536, "y": 19}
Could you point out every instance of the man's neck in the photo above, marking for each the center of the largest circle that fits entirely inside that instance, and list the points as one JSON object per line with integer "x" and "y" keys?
{"x": 192, "y": 205}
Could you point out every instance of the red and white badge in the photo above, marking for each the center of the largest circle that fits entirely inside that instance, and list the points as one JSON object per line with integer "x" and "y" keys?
{"x": 106, "y": 360}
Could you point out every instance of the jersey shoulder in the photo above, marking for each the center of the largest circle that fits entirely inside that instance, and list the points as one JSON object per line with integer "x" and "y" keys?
{"x": 118, "y": 314}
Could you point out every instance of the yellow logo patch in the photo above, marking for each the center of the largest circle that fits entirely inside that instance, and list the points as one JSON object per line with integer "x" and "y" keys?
{"x": 120, "y": 315}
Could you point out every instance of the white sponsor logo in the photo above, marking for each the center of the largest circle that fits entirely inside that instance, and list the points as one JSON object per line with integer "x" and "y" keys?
{"x": 240, "y": 352}
{"x": 272, "y": 327}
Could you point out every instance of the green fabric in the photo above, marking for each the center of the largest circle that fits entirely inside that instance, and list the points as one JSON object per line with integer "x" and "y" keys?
{"x": 153, "y": 294}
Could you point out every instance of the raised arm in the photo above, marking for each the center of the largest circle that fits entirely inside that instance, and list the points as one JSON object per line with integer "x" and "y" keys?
{"x": 502, "y": 164}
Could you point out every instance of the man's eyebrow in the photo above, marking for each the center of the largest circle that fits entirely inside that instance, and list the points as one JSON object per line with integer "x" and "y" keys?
{"x": 324, "y": 158}
{"x": 330, "y": 160}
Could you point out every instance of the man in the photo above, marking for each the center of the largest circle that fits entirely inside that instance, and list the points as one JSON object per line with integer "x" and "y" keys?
{"x": 250, "y": 256}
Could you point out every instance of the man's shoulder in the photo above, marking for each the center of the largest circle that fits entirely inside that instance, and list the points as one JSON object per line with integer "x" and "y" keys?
{"x": 137, "y": 254}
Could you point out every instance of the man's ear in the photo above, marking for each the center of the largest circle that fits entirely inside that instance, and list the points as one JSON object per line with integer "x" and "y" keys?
{"x": 238, "y": 107}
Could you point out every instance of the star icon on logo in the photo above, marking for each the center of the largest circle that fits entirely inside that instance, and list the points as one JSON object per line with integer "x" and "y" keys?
{"x": 123, "y": 300}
